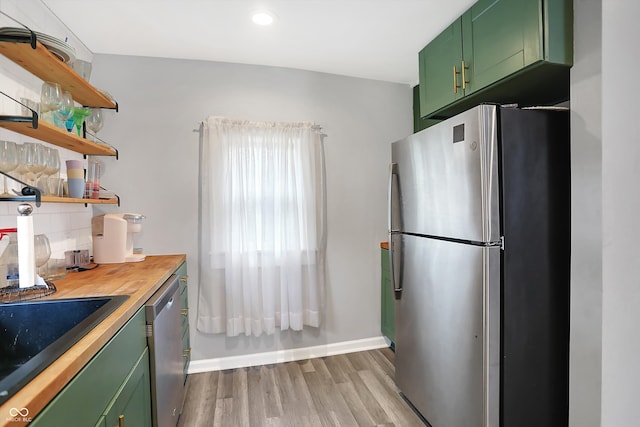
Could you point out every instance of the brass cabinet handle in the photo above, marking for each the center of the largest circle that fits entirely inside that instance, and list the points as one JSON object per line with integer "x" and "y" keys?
{"x": 455, "y": 79}
{"x": 184, "y": 312}
{"x": 464, "y": 78}
{"x": 121, "y": 421}
{"x": 186, "y": 353}
{"x": 184, "y": 279}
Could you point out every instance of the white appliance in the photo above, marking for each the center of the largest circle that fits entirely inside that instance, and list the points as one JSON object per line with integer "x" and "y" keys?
{"x": 112, "y": 236}
{"x": 480, "y": 221}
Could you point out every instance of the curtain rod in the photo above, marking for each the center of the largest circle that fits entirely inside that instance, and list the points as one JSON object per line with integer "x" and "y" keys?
{"x": 313, "y": 126}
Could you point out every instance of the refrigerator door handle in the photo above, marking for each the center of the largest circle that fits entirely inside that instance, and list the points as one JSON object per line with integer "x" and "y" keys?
{"x": 393, "y": 250}
{"x": 393, "y": 172}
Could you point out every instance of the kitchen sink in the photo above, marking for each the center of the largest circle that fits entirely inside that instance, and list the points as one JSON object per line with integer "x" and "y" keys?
{"x": 34, "y": 334}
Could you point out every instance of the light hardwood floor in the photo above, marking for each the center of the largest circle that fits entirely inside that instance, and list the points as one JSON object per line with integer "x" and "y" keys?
{"x": 355, "y": 389}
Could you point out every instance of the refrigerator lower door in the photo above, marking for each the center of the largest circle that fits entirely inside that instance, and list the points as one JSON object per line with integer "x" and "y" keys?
{"x": 447, "y": 330}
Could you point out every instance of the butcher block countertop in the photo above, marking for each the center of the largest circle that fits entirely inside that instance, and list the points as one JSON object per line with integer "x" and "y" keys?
{"x": 138, "y": 280}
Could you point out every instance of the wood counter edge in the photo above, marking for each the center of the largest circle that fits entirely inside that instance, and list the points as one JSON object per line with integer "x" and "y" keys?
{"x": 37, "y": 394}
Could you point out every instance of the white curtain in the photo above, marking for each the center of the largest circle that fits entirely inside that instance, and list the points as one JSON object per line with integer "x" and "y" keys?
{"x": 262, "y": 245}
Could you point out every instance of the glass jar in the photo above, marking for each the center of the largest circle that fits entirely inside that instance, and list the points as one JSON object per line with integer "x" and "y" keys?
{"x": 9, "y": 270}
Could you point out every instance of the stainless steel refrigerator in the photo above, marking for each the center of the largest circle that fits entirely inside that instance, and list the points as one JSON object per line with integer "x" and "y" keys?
{"x": 479, "y": 231}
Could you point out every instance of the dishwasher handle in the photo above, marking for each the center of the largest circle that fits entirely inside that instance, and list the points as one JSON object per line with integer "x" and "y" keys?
{"x": 162, "y": 299}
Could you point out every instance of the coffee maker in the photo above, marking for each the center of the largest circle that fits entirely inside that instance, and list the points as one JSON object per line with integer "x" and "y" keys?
{"x": 112, "y": 236}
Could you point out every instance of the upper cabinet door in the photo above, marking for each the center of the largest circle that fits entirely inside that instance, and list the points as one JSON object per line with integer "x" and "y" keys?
{"x": 500, "y": 37}
{"x": 499, "y": 51}
{"x": 440, "y": 73}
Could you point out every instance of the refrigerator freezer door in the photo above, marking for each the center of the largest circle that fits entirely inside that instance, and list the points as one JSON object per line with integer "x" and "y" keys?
{"x": 447, "y": 330}
{"x": 446, "y": 178}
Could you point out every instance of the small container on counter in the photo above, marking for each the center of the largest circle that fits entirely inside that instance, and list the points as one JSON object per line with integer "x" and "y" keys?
{"x": 78, "y": 258}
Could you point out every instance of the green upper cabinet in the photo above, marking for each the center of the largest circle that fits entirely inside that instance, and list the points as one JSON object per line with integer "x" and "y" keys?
{"x": 506, "y": 51}
{"x": 501, "y": 38}
{"x": 440, "y": 60}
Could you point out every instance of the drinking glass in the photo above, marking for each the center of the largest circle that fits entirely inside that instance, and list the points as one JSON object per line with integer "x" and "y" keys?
{"x": 42, "y": 251}
{"x": 21, "y": 170}
{"x": 83, "y": 68}
{"x": 51, "y": 168}
{"x": 34, "y": 160}
{"x": 50, "y": 100}
{"x": 79, "y": 116}
{"x": 53, "y": 161}
{"x": 8, "y": 161}
{"x": 65, "y": 112}
{"x": 95, "y": 121}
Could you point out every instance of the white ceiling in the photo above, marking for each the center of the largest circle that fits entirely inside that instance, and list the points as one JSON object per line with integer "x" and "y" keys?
{"x": 376, "y": 39}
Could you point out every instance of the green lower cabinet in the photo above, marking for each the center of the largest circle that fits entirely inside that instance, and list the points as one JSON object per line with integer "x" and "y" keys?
{"x": 387, "y": 297}
{"x": 130, "y": 406}
{"x": 181, "y": 272}
{"x": 186, "y": 353}
{"x": 117, "y": 377}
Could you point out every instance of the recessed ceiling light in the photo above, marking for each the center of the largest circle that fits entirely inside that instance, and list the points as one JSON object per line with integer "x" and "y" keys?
{"x": 263, "y": 18}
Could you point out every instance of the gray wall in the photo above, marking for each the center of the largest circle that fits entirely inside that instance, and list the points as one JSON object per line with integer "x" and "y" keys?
{"x": 620, "y": 213}
{"x": 586, "y": 170}
{"x": 605, "y": 342}
{"x": 162, "y": 102}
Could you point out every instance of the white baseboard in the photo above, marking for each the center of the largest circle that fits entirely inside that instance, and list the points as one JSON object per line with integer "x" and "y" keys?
{"x": 280, "y": 356}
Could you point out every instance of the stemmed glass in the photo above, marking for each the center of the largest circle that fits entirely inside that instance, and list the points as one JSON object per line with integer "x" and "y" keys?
{"x": 42, "y": 251}
{"x": 65, "y": 112}
{"x": 34, "y": 159}
{"x": 95, "y": 121}
{"x": 50, "y": 100}
{"x": 79, "y": 116}
{"x": 51, "y": 167}
{"x": 22, "y": 168}
{"x": 8, "y": 161}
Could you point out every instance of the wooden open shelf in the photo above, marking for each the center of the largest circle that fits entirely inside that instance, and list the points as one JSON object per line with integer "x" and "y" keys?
{"x": 43, "y": 64}
{"x": 54, "y": 135}
{"x": 52, "y": 199}
{"x": 48, "y": 67}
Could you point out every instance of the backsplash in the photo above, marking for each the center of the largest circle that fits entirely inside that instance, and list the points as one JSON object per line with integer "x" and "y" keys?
{"x": 68, "y": 226}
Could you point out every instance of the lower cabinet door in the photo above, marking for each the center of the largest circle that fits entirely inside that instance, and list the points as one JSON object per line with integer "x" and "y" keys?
{"x": 181, "y": 272}
{"x": 387, "y": 299}
{"x": 131, "y": 406}
{"x": 85, "y": 398}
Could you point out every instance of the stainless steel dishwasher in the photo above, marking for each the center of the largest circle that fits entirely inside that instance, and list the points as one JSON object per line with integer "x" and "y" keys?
{"x": 164, "y": 326}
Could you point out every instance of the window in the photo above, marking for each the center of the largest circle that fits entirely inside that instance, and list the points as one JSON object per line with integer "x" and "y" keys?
{"x": 263, "y": 227}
